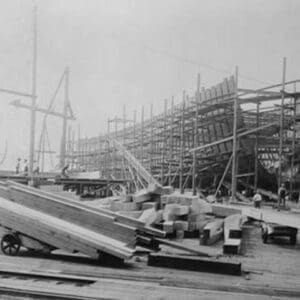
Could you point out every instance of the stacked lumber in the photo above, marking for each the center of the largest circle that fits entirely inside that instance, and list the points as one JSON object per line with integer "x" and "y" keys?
{"x": 90, "y": 221}
{"x": 59, "y": 233}
{"x": 184, "y": 212}
{"x": 119, "y": 219}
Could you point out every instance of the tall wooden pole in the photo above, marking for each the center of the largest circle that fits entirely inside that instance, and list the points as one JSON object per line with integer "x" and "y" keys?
{"x": 33, "y": 93}
{"x": 182, "y": 145}
{"x": 171, "y": 141}
{"x": 197, "y": 99}
{"x": 234, "y": 145}
{"x": 281, "y": 123}
{"x": 164, "y": 144}
{"x": 256, "y": 148}
{"x": 65, "y": 119}
{"x": 151, "y": 139}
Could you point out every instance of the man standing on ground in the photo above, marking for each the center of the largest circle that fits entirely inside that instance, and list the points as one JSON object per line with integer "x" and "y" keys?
{"x": 282, "y": 194}
{"x": 25, "y": 167}
{"x": 18, "y": 165}
{"x": 257, "y": 200}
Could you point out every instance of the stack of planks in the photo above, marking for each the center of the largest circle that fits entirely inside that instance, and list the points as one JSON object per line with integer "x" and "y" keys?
{"x": 64, "y": 223}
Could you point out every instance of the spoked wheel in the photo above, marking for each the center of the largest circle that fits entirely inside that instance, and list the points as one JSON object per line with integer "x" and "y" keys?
{"x": 10, "y": 244}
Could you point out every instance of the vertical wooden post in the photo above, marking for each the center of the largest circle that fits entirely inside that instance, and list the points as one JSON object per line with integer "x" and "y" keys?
{"x": 195, "y": 143}
{"x": 124, "y": 140}
{"x": 151, "y": 139}
{"x": 234, "y": 145}
{"x": 33, "y": 93}
{"x": 293, "y": 145}
{"x": 142, "y": 136}
{"x": 73, "y": 149}
{"x": 281, "y": 124}
{"x": 182, "y": 145}
{"x": 256, "y": 149}
{"x": 164, "y": 136}
{"x": 64, "y": 129}
{"x": 134, "y": 133}
{"x": 171, "y": 141}
{"x": 79, "y": 149}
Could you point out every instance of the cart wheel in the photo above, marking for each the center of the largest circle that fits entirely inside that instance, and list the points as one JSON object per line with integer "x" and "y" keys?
{"x": 10, "y": 244}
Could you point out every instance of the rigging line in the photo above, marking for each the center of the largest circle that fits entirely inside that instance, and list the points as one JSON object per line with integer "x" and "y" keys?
{"x": 49, "y": 109}
{"x": 185, "y": 59}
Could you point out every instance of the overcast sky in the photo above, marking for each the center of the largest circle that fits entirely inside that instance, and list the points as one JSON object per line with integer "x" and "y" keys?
{"x": 136, "y": 52}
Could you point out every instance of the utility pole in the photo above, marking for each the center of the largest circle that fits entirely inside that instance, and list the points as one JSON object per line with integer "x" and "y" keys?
{"x": 33, "y": 93}
{"x": 65, "y": 119}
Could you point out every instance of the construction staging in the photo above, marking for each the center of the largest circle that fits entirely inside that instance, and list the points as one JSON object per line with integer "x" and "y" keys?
{"x": 158, "y": 205}
{"x": 197, "y": 201}
{"x": 210, "y": 136}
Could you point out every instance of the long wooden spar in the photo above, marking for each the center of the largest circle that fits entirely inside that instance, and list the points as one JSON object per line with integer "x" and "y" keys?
{"x": 134, "y": 163}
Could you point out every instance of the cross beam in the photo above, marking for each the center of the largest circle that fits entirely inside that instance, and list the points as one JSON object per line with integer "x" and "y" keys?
{"x": 18, "y": 103}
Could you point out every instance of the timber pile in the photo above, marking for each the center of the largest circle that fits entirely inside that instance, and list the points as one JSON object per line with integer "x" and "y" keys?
{"x": 49, "y": 209}
{"x": 59, "y": 233}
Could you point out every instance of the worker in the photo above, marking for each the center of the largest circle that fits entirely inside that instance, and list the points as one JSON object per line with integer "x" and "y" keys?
{"x": 281, "y": 195}
{"x": 25, "y": 167}
{"x": 18, "y": 165}
{"x": 257, "y": 199}
{"x": 64, "y": 171}
{"x": 36, "y": 168}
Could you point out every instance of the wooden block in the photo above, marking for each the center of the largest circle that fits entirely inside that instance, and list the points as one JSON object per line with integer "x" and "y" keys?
{"x": 148, "y": 205}
{"x": 194, "y": 217}
{"x": 168, "y": 217}
{"x": 212, "y": 232}
{"x": 194, "y": 264}
{"x": 141, "y": 196}
{"x": 183, "y": 199}
{"x": 133, "y": 214}
{"x": 126, "y": 198}
{"x": 232, "y": 234}
{"x": 181, "y": 225}
{"x": 168, "y": 226}
{"x": 148, "y": 216}
{"x": 232, "y": 246}
{"x": 171, "y": 208}
{"x": 181, "y": 210}
{"x": 124, "y": 206}
{"x": 159, "y": 216}
{"x": 222, "y": 210}
{"x": 199, "y": 225}
{"x": 179, "y": 235}
{"x": 167, "y": 190}
{"x": 200, "y": 206}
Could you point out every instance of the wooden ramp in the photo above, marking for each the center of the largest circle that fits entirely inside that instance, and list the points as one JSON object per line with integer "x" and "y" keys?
{"x": 59, "y": 233}
{"x": 42, "y": 207}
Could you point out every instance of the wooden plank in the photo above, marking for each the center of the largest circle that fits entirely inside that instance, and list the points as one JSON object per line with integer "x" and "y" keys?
{"x": 57, "y": 232}
{"x": 84, "y": 217}
{"x": 180, "y": 246}
{"x": 124, "y": 220}
{"x": 194, "y": 264}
